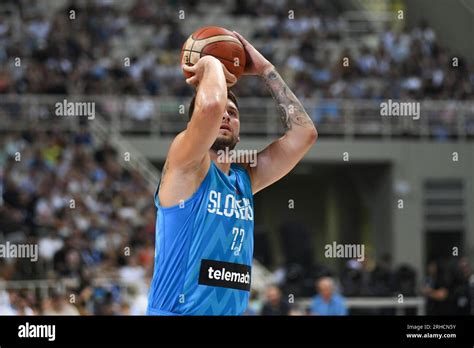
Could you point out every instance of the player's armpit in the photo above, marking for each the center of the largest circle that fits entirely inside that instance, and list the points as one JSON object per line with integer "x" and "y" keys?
{"x": 183, "y": 157}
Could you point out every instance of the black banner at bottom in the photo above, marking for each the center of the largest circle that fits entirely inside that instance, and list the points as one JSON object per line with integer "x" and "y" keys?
{"x": 141, "y": 330}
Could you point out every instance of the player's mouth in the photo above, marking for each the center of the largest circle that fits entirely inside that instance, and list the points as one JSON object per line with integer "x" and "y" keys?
{"x": 226, "y": 127}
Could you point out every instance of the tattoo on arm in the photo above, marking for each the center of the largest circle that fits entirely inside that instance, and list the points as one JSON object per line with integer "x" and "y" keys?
{"x": 292, "y": 111}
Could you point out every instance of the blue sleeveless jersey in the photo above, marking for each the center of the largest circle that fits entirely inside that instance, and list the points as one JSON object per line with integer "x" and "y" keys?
{"x": 204, "y": 248}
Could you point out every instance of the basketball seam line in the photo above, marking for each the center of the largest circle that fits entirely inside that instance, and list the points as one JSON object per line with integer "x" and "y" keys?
{"x": 194, "y": 41}
{"x": 200, "y": 55}
{"x": 200, "y": 52}
{"x": 205, "y": 38}
{"x": 212, "y": 43}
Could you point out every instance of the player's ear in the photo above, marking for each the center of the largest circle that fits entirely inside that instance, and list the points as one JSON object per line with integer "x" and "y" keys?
{"x": 238, "y": 139}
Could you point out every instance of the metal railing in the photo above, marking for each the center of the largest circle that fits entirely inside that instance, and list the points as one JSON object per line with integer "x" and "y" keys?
{"x": 43, "y": 286}
{"x": 377, "y": 303}
{"x": 164, "y": 116}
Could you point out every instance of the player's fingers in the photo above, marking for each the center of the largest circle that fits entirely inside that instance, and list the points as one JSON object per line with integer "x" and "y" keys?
{"x": 226, "y": 72}
{"x": 193, "y": 81}
{"x": 231, "y": 79}
{"x": 231, "y": 84}
{"x": 188, "y": 68}
{"x": 241, "y": 38}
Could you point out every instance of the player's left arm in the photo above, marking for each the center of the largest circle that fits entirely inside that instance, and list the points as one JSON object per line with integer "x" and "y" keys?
{"x": 281, "y": 156}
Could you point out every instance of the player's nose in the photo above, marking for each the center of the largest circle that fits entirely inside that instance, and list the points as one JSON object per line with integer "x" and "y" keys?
{"x": 226, "y": 116}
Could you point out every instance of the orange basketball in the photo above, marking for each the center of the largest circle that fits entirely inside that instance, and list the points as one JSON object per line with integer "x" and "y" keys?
{"x": 217, "y": 42}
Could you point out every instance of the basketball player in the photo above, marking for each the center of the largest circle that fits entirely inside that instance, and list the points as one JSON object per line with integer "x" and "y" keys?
{"x": 205, "y": 219}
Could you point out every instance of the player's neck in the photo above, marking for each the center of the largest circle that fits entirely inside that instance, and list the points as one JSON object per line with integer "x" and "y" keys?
{"x": 222, "y": 165}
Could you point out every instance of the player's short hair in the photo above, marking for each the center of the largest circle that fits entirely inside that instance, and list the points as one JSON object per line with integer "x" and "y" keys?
{"x": 230, "y": 95}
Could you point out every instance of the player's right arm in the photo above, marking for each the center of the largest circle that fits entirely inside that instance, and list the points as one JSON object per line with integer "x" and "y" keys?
{"x": 188, "y": 157}
{"x": 192, "y": 145}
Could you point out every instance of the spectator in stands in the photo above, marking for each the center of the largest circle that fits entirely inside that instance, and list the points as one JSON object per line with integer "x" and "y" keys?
{"x": 462, "y": 288}
{"x": 79, "y": 57}
{"x": 275, "y": 304}
{"x": 23, "y": 306}
{"x": 327, "y": 302}
{"x": 405, "y": 280}
{"x": 140, "y": 109}
{"x": 435, "y": 289}
{"x": 132, "y": 272}
{"x": 14, "y": 303}
{"x": 85, "y": 238}
{"x": 58, "y": 305}
{"x": 382, "y": 278}
{"x": 255, "y": 304}
{"x": 356, "y": 278}
{"x": 351, "y": 278}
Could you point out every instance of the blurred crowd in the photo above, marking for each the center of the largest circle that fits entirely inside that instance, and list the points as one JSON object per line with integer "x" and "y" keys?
{"x": 90, "y": 217}
{"x": 86, "y": 54}
{"x": 94, "y": 221}
{"x": 447, "y": 289}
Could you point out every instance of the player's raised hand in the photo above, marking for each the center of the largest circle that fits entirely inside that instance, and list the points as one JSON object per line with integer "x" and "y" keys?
{"x": 197, "y": 71}
{"x": 256, "y": 63}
